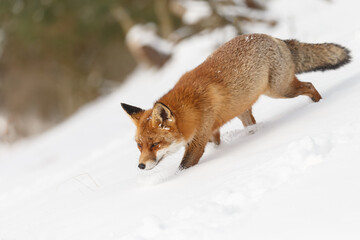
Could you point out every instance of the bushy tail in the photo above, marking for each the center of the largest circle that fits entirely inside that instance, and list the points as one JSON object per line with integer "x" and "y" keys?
{"x": 317, "y": 57}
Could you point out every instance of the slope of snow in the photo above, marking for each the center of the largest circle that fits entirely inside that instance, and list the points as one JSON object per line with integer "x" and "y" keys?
{"x": 295, "y": 178}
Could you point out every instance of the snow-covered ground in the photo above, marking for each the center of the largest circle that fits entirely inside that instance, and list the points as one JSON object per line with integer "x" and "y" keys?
{"x": 297, "y": 177}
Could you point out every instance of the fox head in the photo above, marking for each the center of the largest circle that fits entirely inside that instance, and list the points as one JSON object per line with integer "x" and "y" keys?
{"x": 157, "y": 134}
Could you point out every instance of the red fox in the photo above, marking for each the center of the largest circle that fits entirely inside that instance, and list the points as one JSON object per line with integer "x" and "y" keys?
{"x": 223, "y": 87}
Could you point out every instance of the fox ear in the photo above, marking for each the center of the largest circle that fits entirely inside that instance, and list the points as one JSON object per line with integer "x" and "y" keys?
{"x": 162, "y": 116}
{"x": 134, "y": 112}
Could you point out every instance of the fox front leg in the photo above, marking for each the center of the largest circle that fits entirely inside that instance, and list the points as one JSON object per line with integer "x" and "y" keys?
{"x": 215, "y": 137}
{"x": 194, "y": 151}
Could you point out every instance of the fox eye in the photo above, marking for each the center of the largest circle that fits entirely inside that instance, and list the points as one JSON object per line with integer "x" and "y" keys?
{"x": 154, "y": 145}
{"x": 139, "y": 146}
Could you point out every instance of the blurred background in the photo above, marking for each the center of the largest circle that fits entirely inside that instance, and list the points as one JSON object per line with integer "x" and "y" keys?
{"x": 57, "y": 55}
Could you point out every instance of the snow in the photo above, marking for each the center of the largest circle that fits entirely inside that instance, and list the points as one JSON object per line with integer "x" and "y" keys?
{"x": 296, "y": 177}
{"x": 145, "y": 35}
{"x": 195, "y": 11}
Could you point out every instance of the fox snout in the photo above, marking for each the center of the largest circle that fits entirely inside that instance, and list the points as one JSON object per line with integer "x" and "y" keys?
{"x": 147, "y": 159}
{"x": 142, "y": 166}
{"x": 147, "y": 165}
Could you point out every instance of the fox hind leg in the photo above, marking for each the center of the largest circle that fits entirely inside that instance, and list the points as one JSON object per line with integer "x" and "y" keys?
{"x": 248, "y": 119}
{"x": 302, "y": 88}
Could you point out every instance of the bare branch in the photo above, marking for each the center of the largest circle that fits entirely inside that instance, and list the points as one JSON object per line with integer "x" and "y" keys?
{"x": 254, "y": 5}
{"x": 165, "y": 21}
{"x": 123, "y": 18}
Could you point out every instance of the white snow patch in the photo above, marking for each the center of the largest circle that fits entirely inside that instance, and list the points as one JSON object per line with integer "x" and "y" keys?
{"x": 195, "y": 11}
{"x": 145, "y": 35}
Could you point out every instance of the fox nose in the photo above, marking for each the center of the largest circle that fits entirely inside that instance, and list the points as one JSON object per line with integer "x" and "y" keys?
{"x": 141, "y": 166}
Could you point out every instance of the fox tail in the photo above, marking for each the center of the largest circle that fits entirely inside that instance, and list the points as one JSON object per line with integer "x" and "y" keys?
{"x": 317, "y": 57}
